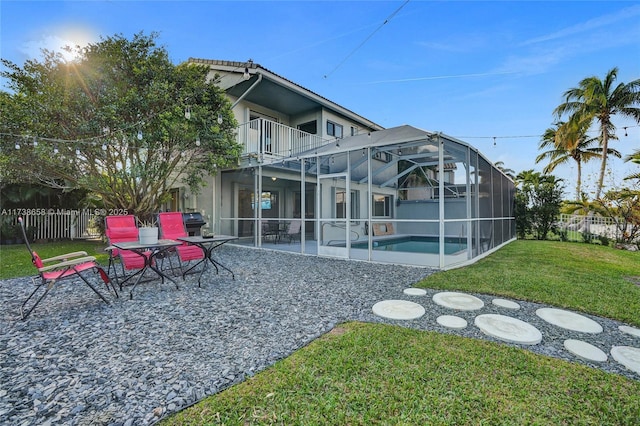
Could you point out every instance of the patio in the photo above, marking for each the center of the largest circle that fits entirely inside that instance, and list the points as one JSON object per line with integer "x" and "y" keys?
{"x": 78, "y": 361}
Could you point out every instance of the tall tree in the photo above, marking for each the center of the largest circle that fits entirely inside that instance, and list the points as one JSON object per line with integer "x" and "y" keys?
{"x": 538, "y": 201}
{"x": 113, "y": 122}
{"x": 569, "y": 141}
{"x": 600, "y": 100}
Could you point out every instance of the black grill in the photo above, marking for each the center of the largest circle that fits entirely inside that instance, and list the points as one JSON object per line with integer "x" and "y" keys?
{"x": 193, "y": 222}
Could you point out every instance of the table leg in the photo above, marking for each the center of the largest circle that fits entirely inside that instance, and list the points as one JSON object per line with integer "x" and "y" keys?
{"x": 148, "y": 264}
{"x": 216, "y": 264}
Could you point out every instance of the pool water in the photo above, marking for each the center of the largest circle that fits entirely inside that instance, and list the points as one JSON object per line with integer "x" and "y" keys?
{"x": 415, "y": 244}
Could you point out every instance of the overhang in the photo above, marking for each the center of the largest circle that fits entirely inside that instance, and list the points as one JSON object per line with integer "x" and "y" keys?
{"x": 276, "y": 92}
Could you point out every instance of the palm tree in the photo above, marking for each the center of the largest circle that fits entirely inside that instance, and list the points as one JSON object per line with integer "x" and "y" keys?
{"x": 634, "y": 158}
{"x": 508, "y": 172}
{"x": 599, "y": 100}
{"x": 569, "y": 141}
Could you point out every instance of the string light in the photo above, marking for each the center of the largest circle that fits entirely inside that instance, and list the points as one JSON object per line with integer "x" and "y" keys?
{"x": 139, "y": 135}
{"x": 107, "y": 131}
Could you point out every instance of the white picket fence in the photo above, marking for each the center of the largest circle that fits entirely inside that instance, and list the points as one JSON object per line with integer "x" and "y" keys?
{"x": 59, "y": 224}
{"x": 589, "y": 227}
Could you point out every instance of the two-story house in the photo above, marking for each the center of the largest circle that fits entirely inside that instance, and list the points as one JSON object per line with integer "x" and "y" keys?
{"x": 317, "y": 178}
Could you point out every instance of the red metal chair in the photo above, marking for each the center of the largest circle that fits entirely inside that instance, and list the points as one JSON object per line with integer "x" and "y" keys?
{"x": 57, "y": 268}
{"x": 121, "y": 229}
{"x": 172, "y": 227}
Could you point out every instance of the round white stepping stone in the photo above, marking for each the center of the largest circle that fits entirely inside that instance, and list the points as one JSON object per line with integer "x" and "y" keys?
{"x": 460, "y": 301}
{"x": 452, "y": 321}
{"x": 508, "y": 329}
{"x": 503, "y": 303}
{"x": 627, "y": 356}
{"x": 398, "y": 309}
{"x": 630, "y": 330}
{"x": 415, "y": 291}
{"x": 585, "y": 350}
{"x": 569, "y": 320}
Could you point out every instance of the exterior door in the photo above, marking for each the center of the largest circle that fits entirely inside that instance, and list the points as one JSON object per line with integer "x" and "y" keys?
{"x": 334, "y": 215}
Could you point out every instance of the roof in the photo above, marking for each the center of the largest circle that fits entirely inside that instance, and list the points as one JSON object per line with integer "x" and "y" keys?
{"x": 278, "y": 92}
{"x": 396, "y": 136}
{"x": 404, "y": 142}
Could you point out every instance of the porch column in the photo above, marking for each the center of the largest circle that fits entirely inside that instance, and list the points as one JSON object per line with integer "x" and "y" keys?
{"x": 441, "y": 199}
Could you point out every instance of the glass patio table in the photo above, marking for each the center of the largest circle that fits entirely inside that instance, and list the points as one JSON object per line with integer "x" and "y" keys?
{"x": 208, "y": 245}
{"x": 154, "y": 249}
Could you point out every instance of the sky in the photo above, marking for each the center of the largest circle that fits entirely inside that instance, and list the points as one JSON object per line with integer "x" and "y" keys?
{"x": 488, "y": 72}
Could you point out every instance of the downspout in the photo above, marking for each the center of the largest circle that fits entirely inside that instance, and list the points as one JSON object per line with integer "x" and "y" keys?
{"x": 247, "y": 91}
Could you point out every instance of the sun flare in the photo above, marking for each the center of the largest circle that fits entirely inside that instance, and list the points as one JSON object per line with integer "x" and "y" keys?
{"x": 63, "y": 40}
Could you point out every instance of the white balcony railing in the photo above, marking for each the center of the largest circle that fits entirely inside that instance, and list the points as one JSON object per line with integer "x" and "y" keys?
{"x": 267, "y": 137}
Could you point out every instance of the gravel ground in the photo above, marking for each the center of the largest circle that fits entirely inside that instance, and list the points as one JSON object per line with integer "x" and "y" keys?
{"x": 77, "y": 361}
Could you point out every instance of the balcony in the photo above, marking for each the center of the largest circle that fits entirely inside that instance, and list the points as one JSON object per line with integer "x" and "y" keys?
{"x": 274, "y": 141}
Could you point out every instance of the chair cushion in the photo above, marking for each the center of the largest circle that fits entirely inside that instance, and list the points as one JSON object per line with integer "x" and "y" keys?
{"x": 120, "y": 235}
{"x": 132, "y": 260}
{"x": 187, "y": 253}
{"x": 171, "y": 225}
{"x": 64, "y": 273}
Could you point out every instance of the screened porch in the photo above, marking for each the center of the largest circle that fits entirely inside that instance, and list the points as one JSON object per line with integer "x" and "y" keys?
{"x": 400, "y": 195}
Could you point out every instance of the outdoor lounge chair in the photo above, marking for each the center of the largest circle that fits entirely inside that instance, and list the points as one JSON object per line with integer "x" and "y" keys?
{"x": 122, "y": 229}
{"x": 55, "y": 269}
{"x": 270, "y": 231}
{"x": 172, "y": 227}
{"x": 294, "y": 230}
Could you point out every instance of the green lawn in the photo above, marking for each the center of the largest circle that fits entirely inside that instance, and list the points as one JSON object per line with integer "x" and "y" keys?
{"x": 366, "y": 374}
{"x": 583, "y": 277}
{"x": 363, "y": 374}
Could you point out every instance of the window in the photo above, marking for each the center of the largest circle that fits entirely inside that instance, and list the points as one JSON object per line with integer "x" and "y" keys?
{"x": 382, "y": 205}
{"x": 334, "y": 129}
{"x": 309, "y": 127}
{"x": 341, "y": 204}
{"x": 354, "y": 131}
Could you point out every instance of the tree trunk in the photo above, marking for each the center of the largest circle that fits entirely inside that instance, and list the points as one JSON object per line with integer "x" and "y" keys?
{"x": 605, "y": 148}
{"x": 579, "y": 183}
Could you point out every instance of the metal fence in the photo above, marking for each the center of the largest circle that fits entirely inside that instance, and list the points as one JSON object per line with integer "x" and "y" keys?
{"x": 56, "y": 224}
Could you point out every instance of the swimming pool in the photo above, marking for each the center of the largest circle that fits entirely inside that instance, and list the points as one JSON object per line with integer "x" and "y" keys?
{"x": 415, "y": 244}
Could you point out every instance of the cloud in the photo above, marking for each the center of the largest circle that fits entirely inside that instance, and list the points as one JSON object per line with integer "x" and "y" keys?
{"x": 540, "y": 58}
{"x": 590, "y": 25}
{"x": 534, "y": 63}
{"x": 456, "y": 43}
{"x": 440, "y": 77}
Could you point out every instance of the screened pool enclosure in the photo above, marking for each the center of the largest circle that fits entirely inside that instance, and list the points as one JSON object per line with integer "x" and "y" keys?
{"x": 400, "y": 195}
